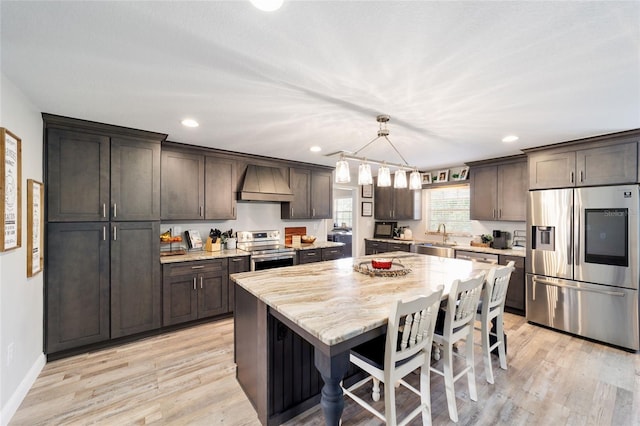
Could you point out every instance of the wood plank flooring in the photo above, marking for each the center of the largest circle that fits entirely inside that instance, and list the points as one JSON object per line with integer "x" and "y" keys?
{"x": 188, "y": 378}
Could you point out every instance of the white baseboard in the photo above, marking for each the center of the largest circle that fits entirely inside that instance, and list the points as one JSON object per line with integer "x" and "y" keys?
{"x": 18, "y": 396}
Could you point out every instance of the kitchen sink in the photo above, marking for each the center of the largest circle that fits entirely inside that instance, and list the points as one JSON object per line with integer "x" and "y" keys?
{"x": 442, "y": 250}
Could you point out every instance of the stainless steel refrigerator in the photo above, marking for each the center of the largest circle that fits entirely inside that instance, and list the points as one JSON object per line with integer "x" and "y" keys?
{"x": 583, "y": 260}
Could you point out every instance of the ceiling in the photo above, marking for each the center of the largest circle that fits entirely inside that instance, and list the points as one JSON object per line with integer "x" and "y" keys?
{"x": 455, "y": 77}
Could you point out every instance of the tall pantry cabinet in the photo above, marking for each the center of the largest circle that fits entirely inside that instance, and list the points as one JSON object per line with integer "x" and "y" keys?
{"x": 102, "y": 278}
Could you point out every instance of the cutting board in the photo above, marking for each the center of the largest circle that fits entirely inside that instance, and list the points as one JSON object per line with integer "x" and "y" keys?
{"x": 290, "y": 232}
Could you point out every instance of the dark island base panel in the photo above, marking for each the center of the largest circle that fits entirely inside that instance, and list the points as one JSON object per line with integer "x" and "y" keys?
{"x": 278, "y": 369}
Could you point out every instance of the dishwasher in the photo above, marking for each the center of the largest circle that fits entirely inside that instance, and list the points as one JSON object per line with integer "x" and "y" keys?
{"x": 477, "y": 257}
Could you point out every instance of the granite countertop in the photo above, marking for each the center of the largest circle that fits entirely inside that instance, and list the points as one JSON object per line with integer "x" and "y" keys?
{"x": 334, "y": 303}
{"x": 316, "y": 245}
{"x": 508, "y": 252}
{"x": 202, "y": 255}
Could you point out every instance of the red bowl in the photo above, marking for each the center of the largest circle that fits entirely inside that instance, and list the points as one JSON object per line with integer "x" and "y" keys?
{"x": 381, "y": 263}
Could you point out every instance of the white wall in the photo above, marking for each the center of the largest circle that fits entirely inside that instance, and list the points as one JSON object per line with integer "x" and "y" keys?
{"x": 21, "y": 298}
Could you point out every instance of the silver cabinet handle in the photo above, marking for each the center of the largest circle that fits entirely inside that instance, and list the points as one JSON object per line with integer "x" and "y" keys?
{"x": 200, "y": 282}
{"x": 104, "y": 233}
{"x": 313, "y": 212}
{"x": 197, "y": 267}
{"x": 499, "y": 213}
{"x": 194, "y": 283}
{"x": 104, "y": 210}
{"x": 291, "y": 211}
{"x": 115, "y": 210}
{"x": 571, "y": 177}
{"x": 236, "y": 260}
{"x": 200, "y": 211}
{"x": 581, "y": 176}
{"x": 115, "y": 233}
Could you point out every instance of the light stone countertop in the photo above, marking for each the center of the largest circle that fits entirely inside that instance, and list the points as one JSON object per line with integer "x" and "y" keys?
{"x": 508, "y": 252}
{"x": 334, "y": 303}
{"x": 202, "y": 255}
{"x": 316, "y": 245}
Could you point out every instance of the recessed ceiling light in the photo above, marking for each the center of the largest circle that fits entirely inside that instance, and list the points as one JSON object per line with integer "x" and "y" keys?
{"x": 510, "y": 138}
{"x": 315, "y": 149}
{"x": 267, "y": 5}
{"x": 189, "y": 122}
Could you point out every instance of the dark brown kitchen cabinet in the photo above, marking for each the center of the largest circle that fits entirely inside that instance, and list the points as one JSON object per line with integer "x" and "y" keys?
{"x": 77, "y": 285}
{"x": 99, "y": 173}
{"x": 135, "y": 278}
{"x": 397, "y": 203}
{"x": 236, "y": 264}
{"x": 182, "y": 185}
{"x": 398, "y": 247}
{"x": 220, "y": 188}
{"x": 515, "y": 302}
{"x": 498, "y": 192}
{"x": 194, "y": 290}
{"x": 332, "y": 253}
{"x": 375, "y": 247}
{"x": 312, "y": 195}
{"x": 599, "y": 164}
{"x": 309, "y": 256}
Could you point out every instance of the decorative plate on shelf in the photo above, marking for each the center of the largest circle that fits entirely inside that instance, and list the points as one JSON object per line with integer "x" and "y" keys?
{"x": 397, "y": 269}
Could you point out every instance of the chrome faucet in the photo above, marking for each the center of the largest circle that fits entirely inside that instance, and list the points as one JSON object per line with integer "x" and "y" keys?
{"x": 444, "y": 232}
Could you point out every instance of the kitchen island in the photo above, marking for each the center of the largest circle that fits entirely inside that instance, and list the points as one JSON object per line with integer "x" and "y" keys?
{"x": 331, "y": 308}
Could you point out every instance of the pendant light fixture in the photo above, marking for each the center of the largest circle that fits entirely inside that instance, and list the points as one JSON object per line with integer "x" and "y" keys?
{"x": 384, "y": 174}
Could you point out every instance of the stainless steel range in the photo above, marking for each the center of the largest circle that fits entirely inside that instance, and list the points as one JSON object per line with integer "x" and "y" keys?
{"x": 266, "y": 248}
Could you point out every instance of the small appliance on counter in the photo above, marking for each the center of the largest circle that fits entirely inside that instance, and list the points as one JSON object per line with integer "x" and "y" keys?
{"x": 500, "y": 239}
{"x": 385, "y": 229}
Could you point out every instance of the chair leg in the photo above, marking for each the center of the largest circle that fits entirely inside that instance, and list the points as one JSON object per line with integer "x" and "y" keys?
{"x": 448, "y": 382}
{"x": 501, "y": 348}
{"x": 375, "y": 391}
{"x": 486, "y": 352}
{"x": 390, "y": 404}
{"x": 425, "y": 394}
{"x": 471, "y": 374}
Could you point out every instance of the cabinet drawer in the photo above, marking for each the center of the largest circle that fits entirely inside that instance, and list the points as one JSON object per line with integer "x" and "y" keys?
{"x": 197, "y": 267}
{"x": 309, "y": 256}
{"x": 332, "y": 253}
{"x": 398, "y": 247}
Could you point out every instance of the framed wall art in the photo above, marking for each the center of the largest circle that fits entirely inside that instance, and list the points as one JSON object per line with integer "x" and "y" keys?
{"x": 35, "y": 227}
{"x": 443, "y": 176}
{"x": 426, "y": 178}
{"x": 367, "y": 191}
{"x": 10, "y": 190}
{"x": 464, "y": 173}
{"x": 367, "y": 209}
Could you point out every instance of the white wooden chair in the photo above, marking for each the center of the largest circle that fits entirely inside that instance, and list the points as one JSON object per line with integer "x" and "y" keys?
{"x": 462, "y": 305}
{"x": 493, "y": 296}
{"x": 403, "y": 349}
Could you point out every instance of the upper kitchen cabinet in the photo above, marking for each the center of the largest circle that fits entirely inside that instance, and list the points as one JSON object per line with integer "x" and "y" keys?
{"x": 499, "y": 189}
{"x": 604, "y": 160}
{"x": 99, "y": 172}
{"x": 220, "y": 188}
{"x": 182, "y": 185}
{"x": 312, "y": 195}
{"x": 397, "y": 204}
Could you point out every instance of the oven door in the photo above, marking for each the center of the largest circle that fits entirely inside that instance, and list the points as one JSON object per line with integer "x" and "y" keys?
{"x": 606, "y": 227}
{"x": 274, "y": 260}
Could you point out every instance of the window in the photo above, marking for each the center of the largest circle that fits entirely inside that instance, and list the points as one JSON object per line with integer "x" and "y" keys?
{"x": 449, "y": 205}
{"x": 343, "y": 213}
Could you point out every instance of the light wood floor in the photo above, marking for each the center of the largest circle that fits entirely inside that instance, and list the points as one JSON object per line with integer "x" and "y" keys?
{"x": 188, "y": 378}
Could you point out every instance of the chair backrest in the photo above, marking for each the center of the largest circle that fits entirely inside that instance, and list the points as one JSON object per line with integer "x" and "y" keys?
{"x": 496, "y": 285}
{"x": 462, "y": 303}
{"x": 410, "y": 327}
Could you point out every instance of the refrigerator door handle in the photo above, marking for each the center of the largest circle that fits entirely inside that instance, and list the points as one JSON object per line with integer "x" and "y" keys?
{"x": 570, "y": 242}
{"x": 556, "y": 284}
{"x": 576, "y": 238}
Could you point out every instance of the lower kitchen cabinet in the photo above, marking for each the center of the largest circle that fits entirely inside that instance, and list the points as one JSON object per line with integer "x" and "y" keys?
{"x": 320, "y": 254}
{"x": 375, "y": 247}
{"x": 194, "y": 290}
{"x": 332, "y": 253}
{"x": 515, "y": 302}
{"x": 398, "y": 247}
{"x": 236, "y": 264}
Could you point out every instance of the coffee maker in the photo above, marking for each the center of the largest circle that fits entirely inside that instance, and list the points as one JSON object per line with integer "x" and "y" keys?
{"x": 500, "y": 239}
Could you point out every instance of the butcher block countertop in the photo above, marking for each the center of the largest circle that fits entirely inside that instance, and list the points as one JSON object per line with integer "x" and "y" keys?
{"x": 334, "y": 303}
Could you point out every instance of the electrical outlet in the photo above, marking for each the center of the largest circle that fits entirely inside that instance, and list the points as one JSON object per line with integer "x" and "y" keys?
{"x": 9, "y": 354}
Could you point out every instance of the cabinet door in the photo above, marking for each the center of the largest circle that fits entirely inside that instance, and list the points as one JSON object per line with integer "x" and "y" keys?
{"x": 383, "y": 202}
{"x": 220, "y": 190}
{"x": 309, "y": 256}
{"x": 607, "y": 165}
{"x": 135, "y": 180}
{"x": 484, "y": 193}
{"x": 375, "y": 247}
{"x": 213, "y": 289}
{"x": 512, "y": 191}
{"x": 321, "y": 195}
{"x": 182, "y": 186}
{"x": 135, "y": 278}
{"x": 236, "y": 265}
{"x": 77, "y": 176}
{"x": 555, "y": 170}
{"x": 77, "y": 285}
{"x": 332, "y": 253}
{"x": 407, "y": 204}
{"x": 179, "y": 295}
{"x": 300, "y": 207}
{"x": 515, "y": 301}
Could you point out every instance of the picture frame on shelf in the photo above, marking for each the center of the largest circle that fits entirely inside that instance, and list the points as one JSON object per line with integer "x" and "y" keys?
{"x": 443, "y": 176}
{"x": 35, "y": 227}
{"x": 367, "y": 191}
{"x": 11, "y": 188}
{"x": 464, "y": 173}
{"x": 426, "y": 178}
{"x": 367, "y": 209}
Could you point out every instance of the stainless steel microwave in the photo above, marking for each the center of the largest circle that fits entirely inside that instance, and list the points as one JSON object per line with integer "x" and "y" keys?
{"x": 384, "y": 229}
